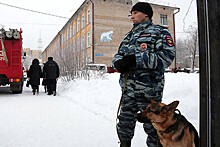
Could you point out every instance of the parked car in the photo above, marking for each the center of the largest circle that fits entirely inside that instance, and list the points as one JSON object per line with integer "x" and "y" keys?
{"x": 111, "y": 69}
{"x": 98, "y": 67}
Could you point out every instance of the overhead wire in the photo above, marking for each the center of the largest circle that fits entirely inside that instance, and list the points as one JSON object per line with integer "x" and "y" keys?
{"x": 184, "y": 23}
{"x": 32, "y": 10}
{"x": 50, "y": 15}
{"x": 24, "y": 23}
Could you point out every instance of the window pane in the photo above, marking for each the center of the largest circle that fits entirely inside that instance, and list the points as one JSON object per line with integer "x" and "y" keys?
{"x": 83, "y": 21}
{"x": 163, "y": 19}
{"x": 88, "y": 16}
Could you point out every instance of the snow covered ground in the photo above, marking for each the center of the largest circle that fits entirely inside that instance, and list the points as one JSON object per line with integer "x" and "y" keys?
{"x": 83, "y": 114}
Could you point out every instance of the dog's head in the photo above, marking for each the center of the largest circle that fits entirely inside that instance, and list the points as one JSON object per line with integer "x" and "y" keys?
{"x": 157, "y": 112}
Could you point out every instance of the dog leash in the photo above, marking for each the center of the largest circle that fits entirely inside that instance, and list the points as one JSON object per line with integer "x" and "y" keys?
{"x": 119, "y": 106}
{"x": 120, "y": 103}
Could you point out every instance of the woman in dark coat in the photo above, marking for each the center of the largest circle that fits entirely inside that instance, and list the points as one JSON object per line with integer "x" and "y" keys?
{"x": 35, "y": 73}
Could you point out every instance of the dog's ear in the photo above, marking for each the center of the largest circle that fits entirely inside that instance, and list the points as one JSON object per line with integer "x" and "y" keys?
{"x": 171, "y": 107}
{"x": 152, "y": 101}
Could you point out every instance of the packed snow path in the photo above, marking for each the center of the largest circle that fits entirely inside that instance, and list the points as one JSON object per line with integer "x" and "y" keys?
{"x": 82, "y": 114}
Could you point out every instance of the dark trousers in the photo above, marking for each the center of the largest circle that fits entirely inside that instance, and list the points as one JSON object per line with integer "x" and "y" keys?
{"x": 126, "y": 125}
{"x": 51, "y": 85}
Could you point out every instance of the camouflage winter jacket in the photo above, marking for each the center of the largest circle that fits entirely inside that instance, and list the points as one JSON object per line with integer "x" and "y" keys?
{"x": 154, "y": 50}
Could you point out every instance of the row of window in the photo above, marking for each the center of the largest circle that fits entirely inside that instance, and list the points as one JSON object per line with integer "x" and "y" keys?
{"x": 75, "y": 44}
{"x": 75, "y": 28}
{"x": 80, "y": 43}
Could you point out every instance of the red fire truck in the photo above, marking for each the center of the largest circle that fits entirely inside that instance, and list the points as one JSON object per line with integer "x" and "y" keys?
{"x": 11, "y": 57}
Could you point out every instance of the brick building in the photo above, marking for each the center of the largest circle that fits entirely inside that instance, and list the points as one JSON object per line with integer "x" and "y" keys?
{"x": 33, "y": 53}
{"x": 94, "y": 32}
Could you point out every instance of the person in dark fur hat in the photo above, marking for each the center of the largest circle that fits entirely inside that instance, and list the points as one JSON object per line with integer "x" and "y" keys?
{"x": 35, "y": 73}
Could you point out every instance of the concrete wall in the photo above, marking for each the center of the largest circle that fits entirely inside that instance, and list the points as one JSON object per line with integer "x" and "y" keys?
{"x": 110, "y": 16}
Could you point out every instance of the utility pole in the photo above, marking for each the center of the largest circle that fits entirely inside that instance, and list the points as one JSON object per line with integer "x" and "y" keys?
{"x": 209, "y": 54}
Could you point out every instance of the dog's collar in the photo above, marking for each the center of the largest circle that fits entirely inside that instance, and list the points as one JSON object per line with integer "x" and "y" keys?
{"x": 174, "y": 126}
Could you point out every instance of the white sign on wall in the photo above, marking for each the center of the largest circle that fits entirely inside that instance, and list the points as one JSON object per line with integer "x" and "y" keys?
{"x": 106, "y": 36}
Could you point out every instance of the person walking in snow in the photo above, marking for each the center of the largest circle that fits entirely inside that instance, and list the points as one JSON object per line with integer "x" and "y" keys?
{"x": 51, "y": 73}
{"x": 141, "y": 59}
{"x": 35, "y": 73}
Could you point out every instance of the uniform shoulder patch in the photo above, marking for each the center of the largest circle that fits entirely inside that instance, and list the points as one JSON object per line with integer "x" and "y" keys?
{"x": 169, "y": 40}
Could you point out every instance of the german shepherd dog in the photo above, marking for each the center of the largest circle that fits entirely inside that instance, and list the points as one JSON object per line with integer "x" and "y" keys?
{"x": 172, "y": 128}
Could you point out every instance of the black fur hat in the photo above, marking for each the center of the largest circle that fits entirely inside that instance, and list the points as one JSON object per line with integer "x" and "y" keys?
{"x": 143, "y": 7}
{"x": 50, "y": 58}
{"x": 35, "y": 61}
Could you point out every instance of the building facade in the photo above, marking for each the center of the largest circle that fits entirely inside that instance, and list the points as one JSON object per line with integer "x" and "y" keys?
{"x": 33, "y": 53}
{"x": 94, "y": 32}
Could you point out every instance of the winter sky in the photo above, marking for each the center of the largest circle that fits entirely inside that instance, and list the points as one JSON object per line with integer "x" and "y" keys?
{"x": 36, "y": 24}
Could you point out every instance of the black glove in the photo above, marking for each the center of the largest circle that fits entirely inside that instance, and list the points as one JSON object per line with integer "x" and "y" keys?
{"x": 120, "y": 66}
{"x": 129, "y": 61}
{"x": 126, "y": 63}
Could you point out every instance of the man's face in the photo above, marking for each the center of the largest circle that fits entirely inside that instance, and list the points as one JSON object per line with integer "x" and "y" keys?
{"x": 138, "y": 17}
